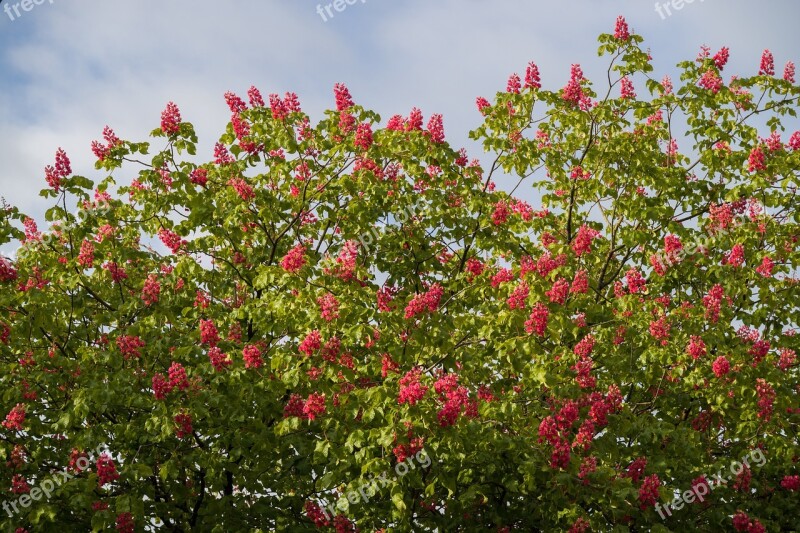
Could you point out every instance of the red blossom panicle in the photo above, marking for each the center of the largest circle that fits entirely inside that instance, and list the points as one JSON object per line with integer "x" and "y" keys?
{"x": 573, "y": 90}
{"x": 626, "y": 91}
{"x": 363, "y": 139}
{"x": 721, "y": 366}
{"x": 411, "y": 390}
{"x": 161, "y": 386}
{"x": 424, "y": 302}
{"x": 315, "y": 513}
{"x": 532, "y": 78}
{"x": 436, "y": 128}
{"x": 252, "y": 356}
{"x": 712, "y": 301}
{"x": 343, "y": 99}
{"x": 124, "y": 523}
{"x": 742, "y": 522}
{"x": 19, "y": 485}
{"x": 483, "y": 105}
{"x": 583, "y": 240}
{"x": 219, "y": 360}
{"x": 621, "y": 31}
{"x": 537, "y": 322}
{"x": 171, "y": 119}
{"x": 635, "y": 280}
{"x": 106, "y": 470}
{"x": 311, "y": 343}
{"x": 648, "y": 492}
{"x": 242, "y": 188}
{"x": 767, "y": 67}
{"x": 130, "y": 346}
{"x": 721, "y": 57}
{"x": 32, "y": 233}
{"x": 151, "y": 290}
{"x": 15, "y": 418}
{"x": 580, "y": 284}
{"x": 756, "y": 161}
{"x": 171, "y": 240}
{"x": 787, "y": 359}
{"x": 696, "y": 347}
{"x": 183, "y": 425}
{"x": 736, "y": 257}
{"x": 177, "y": 377}
{"x": 788, "y": 72}
{"x": 7, "y": 271}
{"x": 208, "y": 332}
{"x": 791, "y": 483}
{"x": 518, "y": 297}
{"x": 54, "y": 175}
{"x": 328, "y": 307}
{"x": 235, "y": 104}
{"x": 314, "y": 406}
{"x": 765, "y": 268}
{"x": 559, "y": 291}
{"x": 766, "y": 399}
{"x": 711, "y": 81}
{"x": 295, "y": 259}
{"x": 514, "y": 84}
{"x": 414, "y": 120}
{"x": 254, "y": 95}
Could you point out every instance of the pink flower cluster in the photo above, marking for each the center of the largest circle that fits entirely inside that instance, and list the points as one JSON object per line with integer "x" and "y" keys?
{"x": 424, "y": 302}
{"x": 56, "y": 174}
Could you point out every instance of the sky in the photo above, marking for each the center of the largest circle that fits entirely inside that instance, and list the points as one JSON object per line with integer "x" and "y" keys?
{"x": 69, "y": 68}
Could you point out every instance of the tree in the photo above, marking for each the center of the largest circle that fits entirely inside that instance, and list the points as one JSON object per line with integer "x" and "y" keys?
{"x": 347, "y": 325}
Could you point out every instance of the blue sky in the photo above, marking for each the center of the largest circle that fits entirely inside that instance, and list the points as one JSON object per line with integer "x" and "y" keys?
{"x": 69, "y": 68}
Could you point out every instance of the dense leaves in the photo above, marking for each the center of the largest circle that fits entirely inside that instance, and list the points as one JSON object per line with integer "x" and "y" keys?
{"x": 241, "y": 344}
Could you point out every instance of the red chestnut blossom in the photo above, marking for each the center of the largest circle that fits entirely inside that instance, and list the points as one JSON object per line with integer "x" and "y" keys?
{"x": 411, "y": 390}
{"x": 311, "y": 343}
{"x": 171, "y": 119}
{"x": 54, "y": 175}
{"x": 177, "y": 377}
{"x": 363, "y": 139}
{"x": 765, "y": 268}
{"x": 583, "y": 240}
{"x": 720, "y": 366}
{"x": 343, "y": 99}
{"x": 19, "y": 485}
{"x": 483, "y": 105}
{"x": 295, "y": 259}
{"x": 580, "y": 284}
{"x": 424, "y": 302}
{"x": 648, "y": 492}
{"x": 106, "y": 470}
{"x": 314, "y": 406}
{"x": 532, "y": 78}
{"x": 696, "y": 347}
{"x": 208, "y": 332}
{"x": 183, "y": 425}
{"x": 514, "y": 84}
{"x": 15, "y": 418}
{"x": 788, "y": 72}
{"x": 621, "y": 31}
{"x": 559, "y": 291}
{"x": 766, "y": 399}
{"x": 252, "y": 356}
{"x": 791, "y": 483}
{"x": 518, "y": 297}
{"x": 328, "y": 307}
{"x": 124, "y": 523}
{"x": 627, "y": 92}
{"x": 721, "y": 57}
{"x": 756, "y": 161}
{"x": 130, "y": 346}
{"x": 711, "y": 81}
{"x": 767, "y": 67}
{"x": 537, "y": 322}
{"x": 436, "y": 129}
